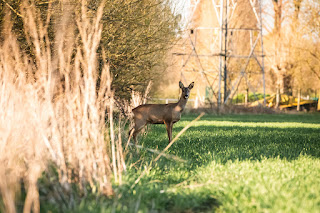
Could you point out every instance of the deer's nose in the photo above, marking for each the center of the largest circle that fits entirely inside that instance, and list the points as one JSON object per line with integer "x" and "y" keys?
{"x": 186, "y": 96}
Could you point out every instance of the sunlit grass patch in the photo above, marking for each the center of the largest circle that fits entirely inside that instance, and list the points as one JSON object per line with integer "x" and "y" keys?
{"x": 266, "y": 185}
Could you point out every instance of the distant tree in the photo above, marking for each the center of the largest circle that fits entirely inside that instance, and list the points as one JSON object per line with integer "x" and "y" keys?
{"x": 296, "y": 51}
{"x": 277, "y": 63}
{"x": 311, "y": 21}
{"x": 303, "y": 45}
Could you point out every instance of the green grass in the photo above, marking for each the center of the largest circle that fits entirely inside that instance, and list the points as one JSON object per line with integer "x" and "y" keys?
{"x": 234, "y": 163}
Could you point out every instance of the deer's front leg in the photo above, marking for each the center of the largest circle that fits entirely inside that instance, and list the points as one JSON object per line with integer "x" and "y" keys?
{"x": 139, "y": 124}
{"x": 169, "y": 126}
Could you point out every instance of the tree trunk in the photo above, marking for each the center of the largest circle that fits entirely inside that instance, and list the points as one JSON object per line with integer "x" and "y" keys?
{"x": 196, "y": 103}
{"x": 277, "y": 6}
{"x": 299, "y": 100}
{"x": 278, "y": 97}
{"x": 318, "y": 100}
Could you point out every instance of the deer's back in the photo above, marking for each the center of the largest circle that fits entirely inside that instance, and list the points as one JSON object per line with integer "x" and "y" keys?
{"x": 154, "y": 113}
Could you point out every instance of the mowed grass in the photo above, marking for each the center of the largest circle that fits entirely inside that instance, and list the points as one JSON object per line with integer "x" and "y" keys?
{"x": 233, "y": 163}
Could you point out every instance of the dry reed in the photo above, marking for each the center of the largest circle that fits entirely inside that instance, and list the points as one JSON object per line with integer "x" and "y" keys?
{"x": 52, "y": 111}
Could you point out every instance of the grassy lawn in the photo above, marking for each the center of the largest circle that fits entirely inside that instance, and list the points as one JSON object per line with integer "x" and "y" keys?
{"x": 233, "y": 163}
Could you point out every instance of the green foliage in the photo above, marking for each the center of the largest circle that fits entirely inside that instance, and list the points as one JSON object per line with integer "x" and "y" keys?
{"x": 135, "y": 36}
{"x": 240, "y": 98}
{"x": 235, "y": 163}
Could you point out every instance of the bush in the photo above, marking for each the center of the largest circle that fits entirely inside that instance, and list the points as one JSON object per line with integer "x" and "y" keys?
{"x": 240, "y": 98}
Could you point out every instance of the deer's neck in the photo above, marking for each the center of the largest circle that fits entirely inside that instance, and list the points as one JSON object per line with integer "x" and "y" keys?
{"x": 182, "y": 103}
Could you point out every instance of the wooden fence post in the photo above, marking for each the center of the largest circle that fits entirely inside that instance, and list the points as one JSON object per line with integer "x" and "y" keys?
{"x": 246, "y": 98}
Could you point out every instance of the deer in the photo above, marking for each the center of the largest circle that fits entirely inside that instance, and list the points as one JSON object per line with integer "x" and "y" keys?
{"x": 167, "y": 114}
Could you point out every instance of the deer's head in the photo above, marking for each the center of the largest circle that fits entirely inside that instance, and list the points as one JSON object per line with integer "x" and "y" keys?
{"x": 186, "y": 90}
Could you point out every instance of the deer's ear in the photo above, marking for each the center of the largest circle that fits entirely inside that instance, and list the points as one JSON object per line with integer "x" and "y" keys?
{"x": 181, "y": 85}
{"x": 191, "y": 85}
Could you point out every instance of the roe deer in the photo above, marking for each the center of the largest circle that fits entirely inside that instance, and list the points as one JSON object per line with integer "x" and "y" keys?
{"x": 167, "y": 114}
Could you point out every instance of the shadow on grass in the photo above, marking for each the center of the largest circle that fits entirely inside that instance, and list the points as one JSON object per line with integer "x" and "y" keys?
{"x": 153, "y": 201}
{"x": 148, "y": 198}
{"x": 202, "y": 144}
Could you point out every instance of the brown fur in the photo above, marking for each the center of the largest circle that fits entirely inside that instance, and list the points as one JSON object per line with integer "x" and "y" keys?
{"x": 167, "y": 114}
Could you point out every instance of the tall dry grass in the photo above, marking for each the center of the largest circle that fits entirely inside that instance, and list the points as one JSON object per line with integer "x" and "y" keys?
{"x": 52, "y": 111}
